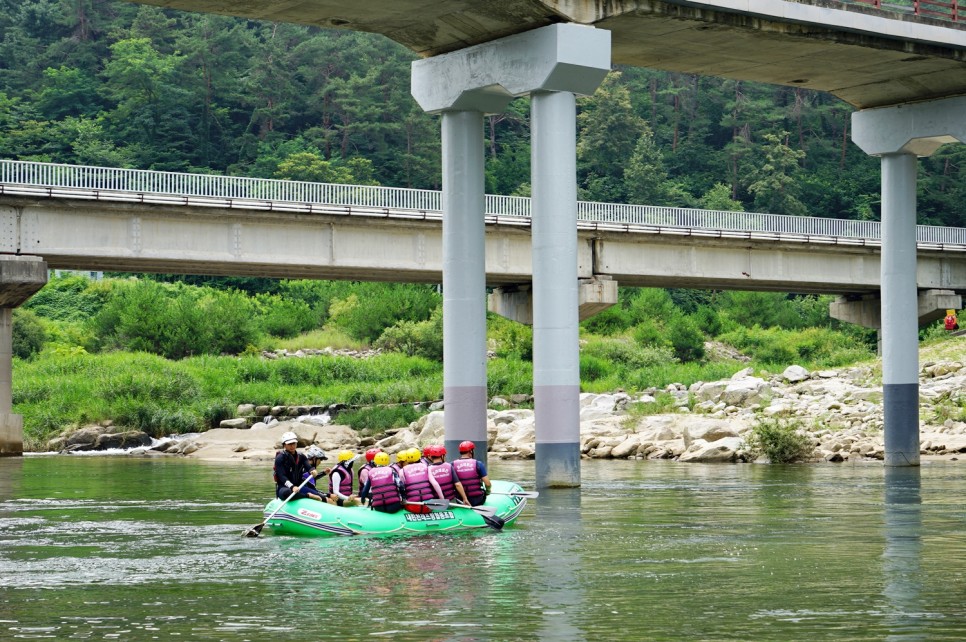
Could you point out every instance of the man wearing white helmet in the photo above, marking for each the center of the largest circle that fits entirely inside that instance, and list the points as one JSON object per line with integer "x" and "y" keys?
{"x": 291, "y": 467}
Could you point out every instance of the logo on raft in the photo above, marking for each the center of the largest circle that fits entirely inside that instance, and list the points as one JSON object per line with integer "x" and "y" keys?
{"x": 431, "y": 517}
{"x": 304, "y": 512}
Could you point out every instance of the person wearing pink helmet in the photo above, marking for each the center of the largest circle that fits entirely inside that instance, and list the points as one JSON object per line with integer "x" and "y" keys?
{"x": 472, "y": 474}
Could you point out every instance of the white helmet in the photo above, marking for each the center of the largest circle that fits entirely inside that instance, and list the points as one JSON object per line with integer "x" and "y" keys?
{"x": 314, "y": 452}
{"x": 288, "y": 437}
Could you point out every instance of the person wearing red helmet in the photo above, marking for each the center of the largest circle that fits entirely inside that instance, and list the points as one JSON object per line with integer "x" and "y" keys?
{"x": 472, "y": 474}
{"x": 442, "y": 471}
{"x": 369, "y": 465}
{"x": 418, "y": 483}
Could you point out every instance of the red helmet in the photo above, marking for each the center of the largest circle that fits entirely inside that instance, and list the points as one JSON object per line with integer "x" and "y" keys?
{"x": 371, "y": 453}
{"x": 434, "y": 450}
{"x": 467, "y": 446}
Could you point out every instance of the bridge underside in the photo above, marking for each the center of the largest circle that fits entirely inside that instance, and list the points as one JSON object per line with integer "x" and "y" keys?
{"x": 849, "y": 50}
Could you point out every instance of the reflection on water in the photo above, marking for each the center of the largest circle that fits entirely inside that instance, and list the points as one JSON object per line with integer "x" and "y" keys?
{"x": 902, "y": 558}
{"x": 558, "y": 594}
{"x": 109, "y": 548}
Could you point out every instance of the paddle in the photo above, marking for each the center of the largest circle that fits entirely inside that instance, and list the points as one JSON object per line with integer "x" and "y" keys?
{"x": 528, "y": 494}
{"x": 434, "y": 504}
{"x": 255, "y": 530}
{"x": 488, "y": 513}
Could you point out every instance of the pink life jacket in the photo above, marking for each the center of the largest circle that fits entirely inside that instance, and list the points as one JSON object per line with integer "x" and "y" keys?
{"x": 469, "y": 476}
{"x": 382, "y": 487}
{"x": 445, "y": 477}
{"x": 345, "y": 480}
{"x": 416, "y": 477}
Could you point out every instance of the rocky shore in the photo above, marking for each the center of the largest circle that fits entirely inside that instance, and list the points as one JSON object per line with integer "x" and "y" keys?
{"x": 841, "y": 411}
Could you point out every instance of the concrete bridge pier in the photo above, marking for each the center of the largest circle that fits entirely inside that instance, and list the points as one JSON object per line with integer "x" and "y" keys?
{"x": 552, "y": 64}
{"x": 20, "y": 278}
{"x": 464, "y": 281}
{"x": 898, "y": 135}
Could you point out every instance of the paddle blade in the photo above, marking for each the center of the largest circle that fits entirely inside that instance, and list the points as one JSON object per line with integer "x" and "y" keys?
{"x": 526, "y": 494}
{"x": 436, "y": 504}
{"x": 488, "y": 511}
{"x": 254, "y": 531}
{"x": 493, "y": 521}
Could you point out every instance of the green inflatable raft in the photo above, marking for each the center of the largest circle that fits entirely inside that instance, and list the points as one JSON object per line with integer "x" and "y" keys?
{"x": 308, "y": 517}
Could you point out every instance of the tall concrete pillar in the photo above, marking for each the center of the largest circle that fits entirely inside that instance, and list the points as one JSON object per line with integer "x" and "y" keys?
{"x": 464, "y": 281}
{"x": 20, "y": 278}
{"x": 555, "y": 62}
{"x": 556, "y": 362}
{"x": 900, "y": 318}
{"x": 898, "y": 135}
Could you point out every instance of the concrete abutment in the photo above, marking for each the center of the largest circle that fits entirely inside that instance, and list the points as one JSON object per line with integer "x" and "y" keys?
{"x": 20, "y": 278}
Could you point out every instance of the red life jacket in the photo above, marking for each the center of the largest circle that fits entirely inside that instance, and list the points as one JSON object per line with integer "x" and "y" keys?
{"x": 950, "y": 322}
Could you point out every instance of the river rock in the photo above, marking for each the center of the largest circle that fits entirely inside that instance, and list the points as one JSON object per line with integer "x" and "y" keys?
{"x": 236, "y": 423}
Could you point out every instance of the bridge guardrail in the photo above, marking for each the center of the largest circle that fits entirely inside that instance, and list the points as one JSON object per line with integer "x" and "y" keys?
{"x": 209, "y": 190}
{"x": 940, "y": 9}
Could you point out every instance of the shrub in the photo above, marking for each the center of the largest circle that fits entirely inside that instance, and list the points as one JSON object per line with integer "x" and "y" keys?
{"x": 415, "y": 338}
{"x": 376, "y": 419}
{"x": 623, "y": 352}
{"x": 593, "y": 368}
{"x": 283, "y": 317}
{"x": 68, "y": 298}
{"x": 779, "y": 440}
{"x": 373, "y": 307}
{"x": 28, "y": 334}
{"x": 664, "y": 402}
{"x": 686, "y": 339}
{"x": 510, "y": 339}
{"x": 649, "y": 333}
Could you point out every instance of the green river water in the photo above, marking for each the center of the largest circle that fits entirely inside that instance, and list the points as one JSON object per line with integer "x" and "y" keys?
{"x": 124, "y": 548}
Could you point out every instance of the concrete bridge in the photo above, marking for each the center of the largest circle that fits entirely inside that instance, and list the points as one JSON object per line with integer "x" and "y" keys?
{"x": 906, "y": 73}
{"x": 102, "y": 218}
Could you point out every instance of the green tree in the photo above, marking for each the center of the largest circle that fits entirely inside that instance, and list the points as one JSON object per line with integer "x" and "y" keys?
{"x": 773, "y": 183}
{"x": 609, "y": 131}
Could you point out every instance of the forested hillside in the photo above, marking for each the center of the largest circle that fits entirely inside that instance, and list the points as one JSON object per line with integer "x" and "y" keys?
{"x": 113, "y": 83}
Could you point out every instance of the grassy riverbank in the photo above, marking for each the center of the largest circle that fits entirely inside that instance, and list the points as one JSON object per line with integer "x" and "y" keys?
{"x": 175, "y": 358}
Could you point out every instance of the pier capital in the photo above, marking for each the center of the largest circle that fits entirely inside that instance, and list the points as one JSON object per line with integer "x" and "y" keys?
{"x": 486, "y": 77}
{"x": 912, "y": 128}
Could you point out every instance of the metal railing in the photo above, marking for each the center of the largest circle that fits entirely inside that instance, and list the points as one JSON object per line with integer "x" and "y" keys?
{"x": 940, "y": 9}
{"x": 106, "y": 183}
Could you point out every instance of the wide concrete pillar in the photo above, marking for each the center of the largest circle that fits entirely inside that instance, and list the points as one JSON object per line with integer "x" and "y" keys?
{"x": 464, "y": 281}
{"x": 20, "y": 278}
{"x": 898, "y": 135}
{"x": 554, "y": 62}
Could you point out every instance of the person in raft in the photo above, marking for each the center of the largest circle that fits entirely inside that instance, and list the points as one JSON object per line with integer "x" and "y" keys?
{"x": 290, "y": 468}
{"x": 364, "y": 470}
{"x": 442, "y": 471}
{"x": 340, "y": 480}
{"x": 316, "y": 456}
{"x": 472, "y": 474}
{"x": 419, "y": 484}
{"x": 383, "y": 489}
